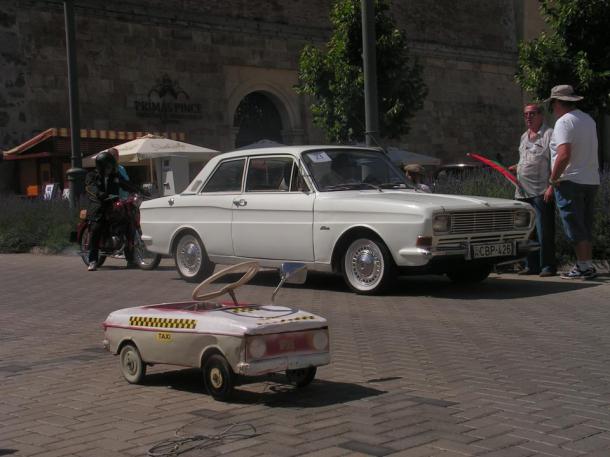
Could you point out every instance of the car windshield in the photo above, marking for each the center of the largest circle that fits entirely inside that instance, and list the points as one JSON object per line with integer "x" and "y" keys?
{"x": 350, "y": 169}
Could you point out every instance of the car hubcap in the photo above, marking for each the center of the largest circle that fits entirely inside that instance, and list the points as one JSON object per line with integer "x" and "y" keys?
{"x": 131, "y": 364}
{"x": 189, "y": 256}
{"x": 216, "y": 378}
{"x": 364, "y": 264}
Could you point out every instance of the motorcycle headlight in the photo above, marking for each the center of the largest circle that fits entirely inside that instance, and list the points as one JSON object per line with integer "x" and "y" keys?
{"x": 441, "y": 223}
{"x": 137, "y": 200}
{"x": 522, "y": 219}
{"x": 257, "y": 348}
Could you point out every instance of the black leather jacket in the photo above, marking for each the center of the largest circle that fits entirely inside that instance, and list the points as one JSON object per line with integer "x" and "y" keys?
{"x": 99, "y": 189}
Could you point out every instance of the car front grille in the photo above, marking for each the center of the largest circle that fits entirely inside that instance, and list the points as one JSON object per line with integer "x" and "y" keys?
{"x": 482, "y": 221}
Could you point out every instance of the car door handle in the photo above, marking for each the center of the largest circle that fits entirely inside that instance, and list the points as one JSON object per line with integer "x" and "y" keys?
{"x": 240, "y": 202}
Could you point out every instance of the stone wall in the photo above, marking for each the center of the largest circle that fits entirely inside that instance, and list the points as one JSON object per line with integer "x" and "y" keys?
{"x": 213, "y": 51}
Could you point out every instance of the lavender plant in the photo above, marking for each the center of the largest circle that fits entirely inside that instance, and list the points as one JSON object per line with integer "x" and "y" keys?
{"x": 487, "y": 184}
{"x": 26, "y": 223}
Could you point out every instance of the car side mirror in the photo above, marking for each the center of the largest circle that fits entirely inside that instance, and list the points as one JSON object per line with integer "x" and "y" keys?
{"x": 291, "y": 273}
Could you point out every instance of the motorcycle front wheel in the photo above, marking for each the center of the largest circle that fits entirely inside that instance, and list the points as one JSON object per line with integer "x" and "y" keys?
{"x": 84, "y": 248}
{"x": 142, "y": 257}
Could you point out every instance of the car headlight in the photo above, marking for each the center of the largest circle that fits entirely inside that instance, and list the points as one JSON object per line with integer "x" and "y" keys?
{"x": 320, "y": 340}
{"x": 441, "y": 223}
{"x": 257, "y": 348}
{"x": 522, "y": 219}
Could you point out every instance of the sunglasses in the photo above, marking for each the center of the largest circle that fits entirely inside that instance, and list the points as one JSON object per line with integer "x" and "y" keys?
{"x": 531, "y": 113}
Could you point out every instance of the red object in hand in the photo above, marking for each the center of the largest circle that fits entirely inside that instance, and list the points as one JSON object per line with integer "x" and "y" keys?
{"x": 498, "y": 167}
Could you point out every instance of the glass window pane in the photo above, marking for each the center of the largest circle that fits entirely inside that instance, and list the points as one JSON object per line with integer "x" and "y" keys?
{"x": 227, "y": 177}
{"x": 269, "y": 174}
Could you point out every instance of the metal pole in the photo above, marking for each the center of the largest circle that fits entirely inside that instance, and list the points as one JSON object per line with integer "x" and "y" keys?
{"x": 370, "y": 72}
{"x": 76, "y": 173}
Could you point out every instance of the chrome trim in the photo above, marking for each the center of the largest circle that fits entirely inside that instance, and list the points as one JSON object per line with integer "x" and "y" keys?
{"x": 259, "y": 367}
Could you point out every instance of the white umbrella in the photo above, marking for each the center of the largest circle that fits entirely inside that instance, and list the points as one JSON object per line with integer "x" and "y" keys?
{"x": 400, "y": 156}
{"x": 155, "y": 147}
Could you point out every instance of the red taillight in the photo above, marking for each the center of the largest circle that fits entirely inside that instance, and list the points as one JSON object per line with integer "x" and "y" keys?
{"x": 268, "y": 346}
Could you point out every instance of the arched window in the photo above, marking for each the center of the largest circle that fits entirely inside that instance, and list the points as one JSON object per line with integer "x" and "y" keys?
{"x": 257, "y": 119}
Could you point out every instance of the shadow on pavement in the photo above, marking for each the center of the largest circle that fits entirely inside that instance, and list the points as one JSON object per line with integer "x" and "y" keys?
{"x": 268, "y": 390}
{"x": 495, "y": 287}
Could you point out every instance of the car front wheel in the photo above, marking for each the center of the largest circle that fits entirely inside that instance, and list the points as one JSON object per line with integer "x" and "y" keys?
{"x": 192, "y": 261}
{"x": 218, "y": 377}
{"x": 470, "y": 275}
{"x": 301, "y": 377}
{"x": 367, "y": 266}
{"x": 132, "y": 365}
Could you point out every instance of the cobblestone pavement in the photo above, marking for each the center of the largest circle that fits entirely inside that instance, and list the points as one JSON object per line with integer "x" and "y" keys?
{"x": 512, "y": 367}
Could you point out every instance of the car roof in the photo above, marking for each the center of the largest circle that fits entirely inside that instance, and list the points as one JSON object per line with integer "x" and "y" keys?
{"x": 292, "y": 150}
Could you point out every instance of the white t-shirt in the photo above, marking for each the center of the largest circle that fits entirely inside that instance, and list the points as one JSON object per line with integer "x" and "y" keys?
{"x": 578, "y": 129}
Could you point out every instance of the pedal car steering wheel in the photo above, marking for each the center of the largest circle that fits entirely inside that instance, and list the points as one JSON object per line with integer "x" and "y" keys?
{"x": 251, "y": 270}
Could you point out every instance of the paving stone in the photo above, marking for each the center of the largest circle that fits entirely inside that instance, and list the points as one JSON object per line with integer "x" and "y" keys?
{"x": 513, "y": 367}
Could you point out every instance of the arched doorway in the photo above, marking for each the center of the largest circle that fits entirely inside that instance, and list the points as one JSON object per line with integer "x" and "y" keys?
{"x": 257, "y": 118}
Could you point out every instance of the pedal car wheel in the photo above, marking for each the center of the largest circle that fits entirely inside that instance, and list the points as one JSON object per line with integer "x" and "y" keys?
{"x": 84, "y": 248}
{"x": 192, "y": 261}
{"x": 218, "y": 377}
{"x": 132, "y": 365}
{"x": 301, "y": 377}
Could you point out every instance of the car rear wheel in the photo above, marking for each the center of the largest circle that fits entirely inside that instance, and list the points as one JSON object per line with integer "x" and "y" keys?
{"x": 132, "y": 365}
{"x": 301, "y": 377}
{"x": 192, "y": 261}
{"x": 367, "y": 266}
{"x": 84, "y": 248}
{"x": 218, "y": 377}
{"x": 470, "y": 275}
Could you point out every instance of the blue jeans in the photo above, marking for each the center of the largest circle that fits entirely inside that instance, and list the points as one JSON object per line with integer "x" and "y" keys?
{"x": 576, "y": 203}
{"x": 544, "y": 259}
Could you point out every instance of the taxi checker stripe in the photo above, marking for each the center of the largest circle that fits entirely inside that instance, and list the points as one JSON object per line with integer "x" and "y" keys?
{"x": 161, "y": 322}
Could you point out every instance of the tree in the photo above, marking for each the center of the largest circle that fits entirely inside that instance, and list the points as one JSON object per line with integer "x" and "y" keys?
{"x": 574, "y": 51}
{"x": 334, "y": 76}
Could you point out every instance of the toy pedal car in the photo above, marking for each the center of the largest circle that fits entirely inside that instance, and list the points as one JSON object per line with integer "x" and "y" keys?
{"x": 225, "y": 340}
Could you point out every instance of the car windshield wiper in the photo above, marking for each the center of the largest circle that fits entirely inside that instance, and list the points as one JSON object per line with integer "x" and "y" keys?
{"x": 352, "y": 186}
{"x": 394, "y": 185}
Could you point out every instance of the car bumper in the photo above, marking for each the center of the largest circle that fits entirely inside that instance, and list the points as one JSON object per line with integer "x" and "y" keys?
{"x": 432, "y": 259}
{"x": 260, "y": 367}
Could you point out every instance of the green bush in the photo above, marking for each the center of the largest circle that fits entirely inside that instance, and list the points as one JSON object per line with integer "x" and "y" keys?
{"x": 490, "y": 184}
{"x": 25, "y": 224}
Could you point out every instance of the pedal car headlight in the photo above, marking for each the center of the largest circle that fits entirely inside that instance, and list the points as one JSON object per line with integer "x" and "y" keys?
{"x": 257, "y": 348}
{"x": 320, "y": 340}
{"x": 522, "y": 219}
{"x": 441, "y": 223}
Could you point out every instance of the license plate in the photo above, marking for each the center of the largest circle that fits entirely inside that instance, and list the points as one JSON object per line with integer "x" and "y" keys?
{"x": 492, "y": 250}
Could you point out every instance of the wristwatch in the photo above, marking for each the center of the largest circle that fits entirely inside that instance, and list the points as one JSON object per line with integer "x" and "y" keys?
{"x": 553, "y": 182}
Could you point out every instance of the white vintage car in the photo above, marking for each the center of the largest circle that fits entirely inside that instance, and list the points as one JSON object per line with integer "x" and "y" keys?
{"x": 228, "y": 341}
{"x": 336, "y": 209}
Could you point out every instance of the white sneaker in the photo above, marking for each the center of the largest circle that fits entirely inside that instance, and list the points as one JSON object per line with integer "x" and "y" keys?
{"x": 92, "y": 266}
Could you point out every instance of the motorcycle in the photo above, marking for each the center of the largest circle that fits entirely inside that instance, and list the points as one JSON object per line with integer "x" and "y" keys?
{"x": 122, "y": 236}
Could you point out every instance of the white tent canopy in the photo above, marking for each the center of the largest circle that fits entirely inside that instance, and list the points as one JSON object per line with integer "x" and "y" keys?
{"x": 401, "y": 156}
{"x": 155, "y": 147}
{"x": 261, "y": 144}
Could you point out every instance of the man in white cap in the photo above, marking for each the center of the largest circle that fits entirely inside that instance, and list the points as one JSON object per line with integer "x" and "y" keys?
{"x": 574, "y": 176}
